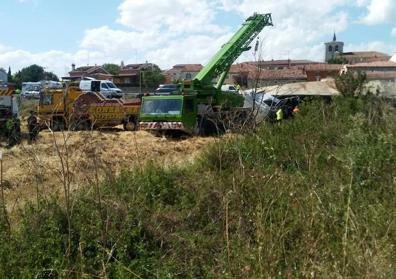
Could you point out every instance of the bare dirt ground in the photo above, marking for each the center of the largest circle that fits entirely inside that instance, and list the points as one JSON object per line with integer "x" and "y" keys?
{"x": 79, "y": 158}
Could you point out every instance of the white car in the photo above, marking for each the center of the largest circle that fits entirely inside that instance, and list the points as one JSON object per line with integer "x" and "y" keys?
{"x": 229, "y": 88}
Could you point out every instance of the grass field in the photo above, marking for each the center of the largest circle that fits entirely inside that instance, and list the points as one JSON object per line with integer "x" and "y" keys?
{"x": 310, "y": 197}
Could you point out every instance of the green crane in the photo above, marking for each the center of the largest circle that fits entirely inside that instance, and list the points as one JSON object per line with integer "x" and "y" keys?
{"x": 199, "y": 106}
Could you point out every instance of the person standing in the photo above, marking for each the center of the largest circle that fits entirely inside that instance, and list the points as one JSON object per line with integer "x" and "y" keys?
{"x": 279, "y": 114}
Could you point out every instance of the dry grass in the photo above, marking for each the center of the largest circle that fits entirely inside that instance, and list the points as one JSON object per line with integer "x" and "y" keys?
{"x": 33, "y": 169}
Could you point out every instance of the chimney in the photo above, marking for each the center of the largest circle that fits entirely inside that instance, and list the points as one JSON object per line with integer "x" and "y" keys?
{"x": 73, "y": 67}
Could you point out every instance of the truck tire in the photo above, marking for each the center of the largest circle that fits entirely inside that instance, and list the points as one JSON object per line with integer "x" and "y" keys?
{"x": 130, "y": 124}
{"x": 58, "y": 124}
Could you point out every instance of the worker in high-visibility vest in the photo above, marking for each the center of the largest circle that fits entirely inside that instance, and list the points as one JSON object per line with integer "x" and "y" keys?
{"x": 279, "y": 115}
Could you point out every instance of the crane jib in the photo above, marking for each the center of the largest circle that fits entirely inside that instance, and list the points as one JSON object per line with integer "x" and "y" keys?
{"x": 230, "y": 51}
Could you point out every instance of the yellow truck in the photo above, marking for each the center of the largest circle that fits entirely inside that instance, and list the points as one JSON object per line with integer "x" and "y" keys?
{"x": 70, "y": 108}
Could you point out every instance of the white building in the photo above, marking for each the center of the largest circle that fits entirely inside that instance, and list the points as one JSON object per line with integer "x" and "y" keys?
{"x": 3, "y": 76}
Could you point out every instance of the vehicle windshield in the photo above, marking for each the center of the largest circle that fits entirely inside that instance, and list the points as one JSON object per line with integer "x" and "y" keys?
{"x": 167, "y": 106}
{"x": 31, "y": 87}
{"x": 110, "y": 85}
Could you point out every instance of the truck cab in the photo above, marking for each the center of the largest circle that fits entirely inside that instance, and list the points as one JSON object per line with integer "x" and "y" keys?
{"x": 169, "y": 113}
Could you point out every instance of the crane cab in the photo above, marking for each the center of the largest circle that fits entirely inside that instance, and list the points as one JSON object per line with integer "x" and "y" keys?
{"x": 171, "y": 113}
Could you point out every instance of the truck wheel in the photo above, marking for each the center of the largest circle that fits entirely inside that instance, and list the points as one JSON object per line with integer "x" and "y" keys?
{"x": 84, "y": 125}
{"x": 130, "y": 124}
{"x": 58, "y": 124}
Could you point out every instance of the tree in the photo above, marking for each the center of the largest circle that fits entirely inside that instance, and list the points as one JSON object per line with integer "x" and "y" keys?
{"x": 351, "y": 83}
{"x": 50, "y": 76}
{"x": 33, "y": 73}
{"x": 152, "y": 77}
{"x": 9, "y": 75}
{"x": 113, "y": 69}
{"x": 338, "y": 60}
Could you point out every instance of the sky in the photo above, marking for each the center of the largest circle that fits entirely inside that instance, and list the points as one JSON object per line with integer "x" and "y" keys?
{"x": 57, "y": 33}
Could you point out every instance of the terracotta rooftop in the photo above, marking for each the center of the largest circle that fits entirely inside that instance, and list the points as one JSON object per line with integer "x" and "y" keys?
{"x": 381, "y": 75}
{"x": 187, "y": 67}
{"x": 278, "y": 74}
{"x": 284, "y": 62}
{"x": 379, "y": 64}
{"x": 323, "y": 67}
{"x": 368, "y": 54}
{"x": 243, "y": 68}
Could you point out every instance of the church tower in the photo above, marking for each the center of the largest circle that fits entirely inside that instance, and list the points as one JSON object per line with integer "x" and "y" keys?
{"x": 333, "y": 48}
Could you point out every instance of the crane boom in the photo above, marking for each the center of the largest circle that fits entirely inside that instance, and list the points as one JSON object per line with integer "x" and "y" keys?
{"x": 199, "y": 107}
{"x": 225, "y": 57}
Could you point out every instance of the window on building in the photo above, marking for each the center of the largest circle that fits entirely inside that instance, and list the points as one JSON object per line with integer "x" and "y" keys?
{"x": 188, "y": 76}
{"x": 336, "y": 48}
{"x": 330, "y": 48}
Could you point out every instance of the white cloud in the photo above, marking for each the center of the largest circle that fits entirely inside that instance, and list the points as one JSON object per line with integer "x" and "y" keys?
{"x": 394, "y": 32}
{"x": 372, "y": 46}
{"x": 112, "y": 41}
{"x": 169, "y": 32}
{"x": 180, "y": 16}
{"x": 191, "y": 49}
{"x": 380, "y": 11}
{"x": 298, "y": 25}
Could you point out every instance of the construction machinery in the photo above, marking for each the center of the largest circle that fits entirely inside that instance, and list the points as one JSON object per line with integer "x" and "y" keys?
{"x": 10, "y": 125}
{"x": 199, "y": 106}
{"x": 71, "y": 108}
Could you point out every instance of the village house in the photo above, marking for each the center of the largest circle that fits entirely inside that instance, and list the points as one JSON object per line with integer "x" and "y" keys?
{"x": 182, "y": 72}
{"x": 129, "y": 77}
{"x": 317, "y": 72}
{"x": 385, "y": 70}
{"x": 96, "y": 72}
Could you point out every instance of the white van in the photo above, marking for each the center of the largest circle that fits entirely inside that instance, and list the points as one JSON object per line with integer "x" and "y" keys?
{"x": 229, "y": 88}
{"x": 106, "y": 87}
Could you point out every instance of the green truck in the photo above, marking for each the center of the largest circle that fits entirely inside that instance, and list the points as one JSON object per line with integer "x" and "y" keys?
{"x": 199, "y": 107}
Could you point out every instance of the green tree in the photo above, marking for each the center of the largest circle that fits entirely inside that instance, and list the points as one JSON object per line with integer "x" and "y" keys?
{"x": 33, "y": 73}
{"x": 351, "y": 83}
{"x": 113, "y": 69}
{"x": 50, "y": 76}
{"x": 9, "y": 75}
{"x": 152, "y": 77}
{"x": 339, "y": 59}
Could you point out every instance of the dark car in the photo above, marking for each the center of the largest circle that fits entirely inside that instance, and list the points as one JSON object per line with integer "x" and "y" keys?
{"x": 167, "y": 89}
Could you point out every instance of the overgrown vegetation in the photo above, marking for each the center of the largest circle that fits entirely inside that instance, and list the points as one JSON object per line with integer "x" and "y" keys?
{"x": 312, "y": 197}
{"x": 350, "y": 83}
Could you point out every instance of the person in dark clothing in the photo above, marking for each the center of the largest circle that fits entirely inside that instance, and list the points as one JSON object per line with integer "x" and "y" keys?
{"x": 32, "y": 127}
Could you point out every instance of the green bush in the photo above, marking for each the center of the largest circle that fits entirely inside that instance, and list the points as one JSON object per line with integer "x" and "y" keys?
{"x": 311, "y": 197}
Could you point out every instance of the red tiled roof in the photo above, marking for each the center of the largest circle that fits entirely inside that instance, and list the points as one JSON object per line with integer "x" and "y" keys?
{"x": 284, "y": 62}
{"x": 367, "y": 54}
{"x": 242, "y": 68}
{"x": 379, "y": 64}
{"x": 278, "y": 74}
{"x": 87, "y": 70}
{"x": 381, "y": 75}
{"x": 323, "y": 67}
{"x": 187, "y": 67}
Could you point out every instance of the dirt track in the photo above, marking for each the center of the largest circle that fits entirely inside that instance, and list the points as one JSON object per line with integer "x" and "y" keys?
{"x": 27, "y": 168}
